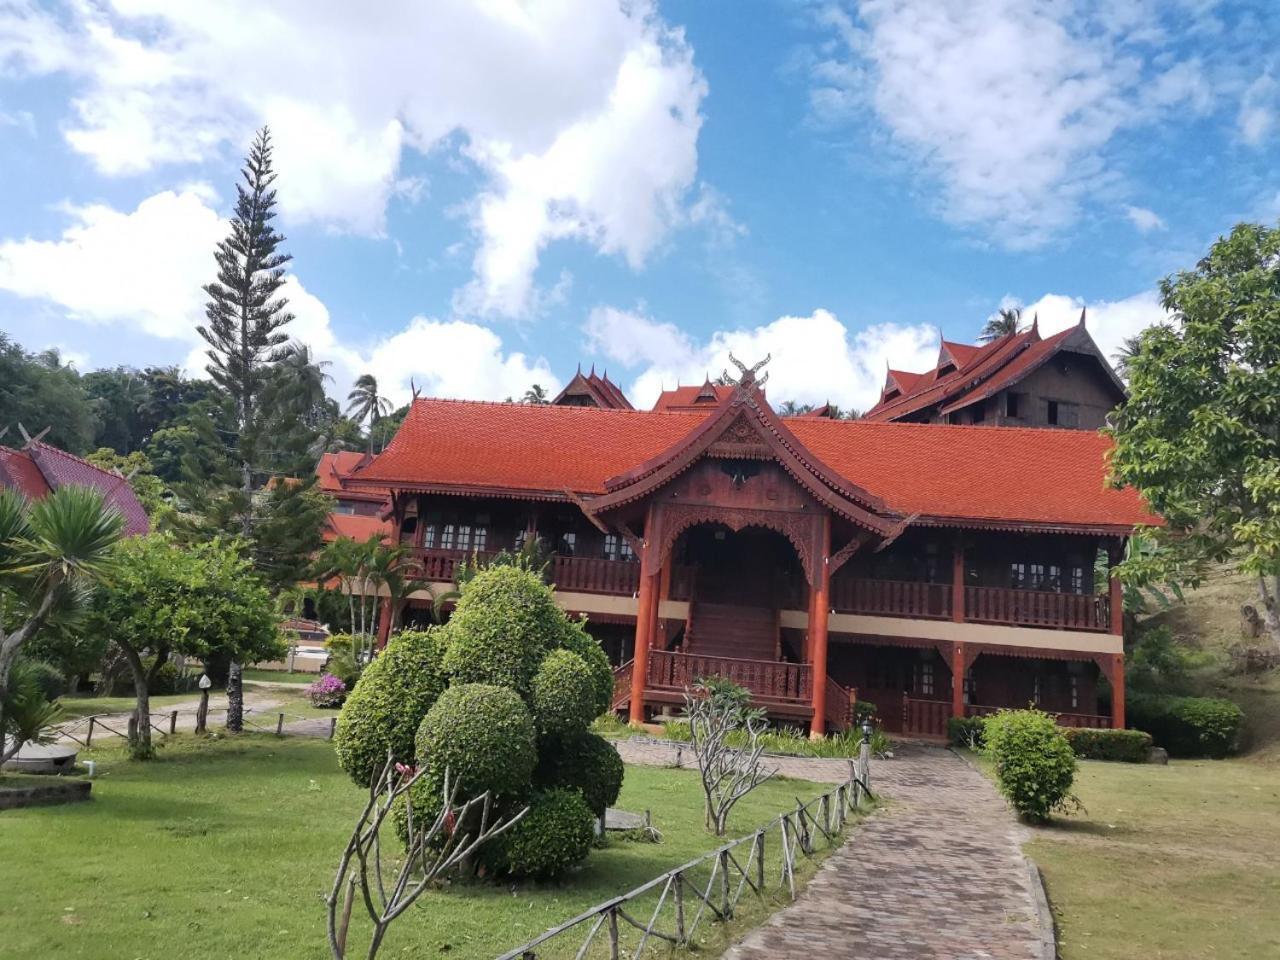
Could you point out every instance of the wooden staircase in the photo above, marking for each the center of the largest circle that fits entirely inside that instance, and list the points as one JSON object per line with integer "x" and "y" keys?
{"x": 732, "y": 630}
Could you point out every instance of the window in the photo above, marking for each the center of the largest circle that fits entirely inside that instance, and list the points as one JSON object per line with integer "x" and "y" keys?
{"x": 1077, "y": 580}
{"x": 1075, "y": 691}
{"x": 1035, "y": 691}
{"x": 1052, "y": 414}
{"x": 1035, "y": 576}
{"x": 1018, "y": 576}
{"x": 1011, "y": 405}
{"x": 616, "y": 548}
{"x": 970, "y": 688}
{"x": 568, "y": 543}
{"x": 978, "y": 413}
{"x": 1061, "y": 414}
{"x": 924, "y": 678}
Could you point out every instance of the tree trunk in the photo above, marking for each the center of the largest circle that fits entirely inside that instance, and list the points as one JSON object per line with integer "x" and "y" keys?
{"x": 140, "y": 726}
{"x": 1270, "y": 598}
{"x": 235, "y": 698}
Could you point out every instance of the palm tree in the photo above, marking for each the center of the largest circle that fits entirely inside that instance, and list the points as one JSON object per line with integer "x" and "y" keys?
{"x": 1005, "y": 321}
{"x": 1128, "y": 349}
{"x": 367, "y": 404}
{"x": 301, "y": 379}
{"x": 536, "y": 394}
{"x": 51, "y": 552}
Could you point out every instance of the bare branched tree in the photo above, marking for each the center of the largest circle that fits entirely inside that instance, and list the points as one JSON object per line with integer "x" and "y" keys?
{"x": 432, "y": 850}
{"x": 718, "y": 710}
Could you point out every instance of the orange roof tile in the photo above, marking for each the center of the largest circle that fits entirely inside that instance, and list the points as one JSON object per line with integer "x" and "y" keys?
{"x": 686, "y": 398}
{"x": 354, "y": 526}
{"x": 990, "y": 474}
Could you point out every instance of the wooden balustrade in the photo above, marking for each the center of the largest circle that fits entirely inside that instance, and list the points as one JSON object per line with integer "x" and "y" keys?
{"x": 1037, "y": 608}
{"x": 1092, "y": 721}
{"x": 765, "y": 679}
{"x": 595, "y": 575}
{"x": 891, "y": 598}
{"x": 839, "y": 707}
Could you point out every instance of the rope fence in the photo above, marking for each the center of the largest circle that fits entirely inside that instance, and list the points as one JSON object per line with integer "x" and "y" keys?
{"x": 82, "y": 730}
{"x": 671, "y": 909}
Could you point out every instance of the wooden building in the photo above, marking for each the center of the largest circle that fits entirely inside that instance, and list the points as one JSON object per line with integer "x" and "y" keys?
{"x": 1020, "y": 379}
{"x": 37, "y": 469}
{"x": 932, "y": 570}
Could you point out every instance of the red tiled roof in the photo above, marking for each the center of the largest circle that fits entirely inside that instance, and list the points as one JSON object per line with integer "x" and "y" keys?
{"x": 39, "y": 468}
{"x": 355, "y": 527}
{"x": 334, "y": 469}
{"x": 990, "y": 474}
{"x": 685, "y": 399}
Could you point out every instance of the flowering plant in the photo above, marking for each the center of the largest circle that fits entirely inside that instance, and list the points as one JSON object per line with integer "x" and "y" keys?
{"x": 328, "y": 691}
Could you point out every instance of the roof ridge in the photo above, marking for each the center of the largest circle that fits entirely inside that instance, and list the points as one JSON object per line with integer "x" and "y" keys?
{"x": 71, "y": 456}
{"x": 561, "y": 409}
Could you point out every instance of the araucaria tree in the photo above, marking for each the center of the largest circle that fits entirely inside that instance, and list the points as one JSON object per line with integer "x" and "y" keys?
{"x": 246, "y": 318}
{"x": 1200, "y": 433}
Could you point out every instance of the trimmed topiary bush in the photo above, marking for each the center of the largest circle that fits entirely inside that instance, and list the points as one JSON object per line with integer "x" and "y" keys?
{"x": 575, "y": 637}
{"x": 506, "y": 621}
{"x": 1035, "y": 765}
{"x": 484, "y": 736}
{"x": 386, "y": 707}
{"x": 562, "y": 694}
{"x": 965, "y": 732}
{"x": 1188, "y": 726}
{"x": 555, "y": 834}
{"x": 1125, "y": 746}
{"x": 584, "y": 762}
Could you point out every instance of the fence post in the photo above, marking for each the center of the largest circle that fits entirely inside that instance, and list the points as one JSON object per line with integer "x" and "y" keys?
{"x": 88, "y": 740}
{"x": 280, "y": 725}
{"x": 333, "y": 725}
{"x": 825, "y": 806}
{"x": 613, "y": 934}
{"x": 724, "y": 884}
{"x": 760, "y": 861}
{"x": 788, "y": 872}
{"x": 679, "y": 894}
{"x": 173, "y": 722}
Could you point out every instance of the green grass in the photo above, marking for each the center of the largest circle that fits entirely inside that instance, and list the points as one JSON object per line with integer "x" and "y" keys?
{"x": 79, "y": 706}
{"x": 1169, "y": 863}
{"x": 224, "y": 848}
{"x": 279, "y": 676}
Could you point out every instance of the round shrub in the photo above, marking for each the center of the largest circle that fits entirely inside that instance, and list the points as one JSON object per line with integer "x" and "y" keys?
{"x": 563, "y": 694}
{"x": 585, "y": 762}
{"x": 387, "y": 705}
{"x": 483, "y": 735}
{"x": 575, "y": 637}
{"x": 48, "y": 679}
{"x": 505, "y": 623}
{"x": 555, "y": 834}
{"x": 1188, "y": 726}
{"x": 1035, "y": 765}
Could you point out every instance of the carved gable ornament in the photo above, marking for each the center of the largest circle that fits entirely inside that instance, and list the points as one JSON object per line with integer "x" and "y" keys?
{"x": 741, "y": 439}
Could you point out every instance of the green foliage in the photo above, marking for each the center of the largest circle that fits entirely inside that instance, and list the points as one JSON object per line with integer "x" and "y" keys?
{"x": 966, "y": 732}
{"x": 149, "y": 489}
{"x": 505, "y": 623}
{"x": 574, "y": 637}
{"x": 384, "y": 709}
{"x": 1034, "y": 764}
{"x": 1188, "y": 726}
{"x": 1198, "y": 435}
{"x": 28, "y": 713}
{"x": 556, "y": 833}
{"x": 584, "y": 762}
{"x": 484, "y": 736}
{"x": 1158, "y": 663}
{"x": 38, "y": 390}
{"x": 562, "y": 696}
{"x": 47, "y": 677}
{"x": 342, "y": 659}
{"x": 1125, "y": 746}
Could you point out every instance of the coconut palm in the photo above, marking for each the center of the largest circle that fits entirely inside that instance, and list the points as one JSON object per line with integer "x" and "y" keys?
{"x": 367, "y": 404}
{"x": 536, "y": 394}
{"x": 51, "y": 552}
{"x": 1003, "y": 322}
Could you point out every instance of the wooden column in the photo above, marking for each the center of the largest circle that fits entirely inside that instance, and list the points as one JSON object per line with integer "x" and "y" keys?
{"x": 384, "y": 622}
{"x": 820, "y": 605}
{"x": 957, "y": 579}
{"x": 959, "y": 666}
{"x": 646, "y": 614}
{"x": 1115, "y": 554}
{"x": 1117, "y": 691}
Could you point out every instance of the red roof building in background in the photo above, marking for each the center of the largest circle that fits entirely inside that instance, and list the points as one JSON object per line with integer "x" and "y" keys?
{"x": 38, "y": 469}
{"x": 929, "y": 569}
{"x": 358, "y": 514}
{"x": 592, "y": 390}
{"x": 1019, "y": 379}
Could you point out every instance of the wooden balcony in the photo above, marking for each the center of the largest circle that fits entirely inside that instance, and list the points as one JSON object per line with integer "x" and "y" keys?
{"x": 892, "y": 598}
{"x": 1091, "y": 721}
{"x": 578, "y": 574}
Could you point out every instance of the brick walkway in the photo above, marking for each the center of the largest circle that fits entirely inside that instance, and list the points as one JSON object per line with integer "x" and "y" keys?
{"x": 936, "y": 875}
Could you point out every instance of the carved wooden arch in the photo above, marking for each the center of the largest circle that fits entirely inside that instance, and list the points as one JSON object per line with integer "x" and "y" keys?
{"x": 798, "y": 528}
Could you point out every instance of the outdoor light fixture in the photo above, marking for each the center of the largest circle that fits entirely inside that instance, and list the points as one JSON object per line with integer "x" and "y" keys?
{"x": 868, "y": 728}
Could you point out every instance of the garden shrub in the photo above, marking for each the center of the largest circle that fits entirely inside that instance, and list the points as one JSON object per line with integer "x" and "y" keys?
{"x": 328, "y": 692}
{"x": 563, "y": 694}
{"x": 47, "y": 678}
{"x": 556, "y": 833}
{"x": 342, "y": 662}
{"x": 1125, "y": 746}
{"x": 1035, "y": 765}
{"x": 1188, "y": 726}
{"x": 965, "y": 732}
{"x": 574, "y": 637}
{"x": 505, "y": 622}
{"x": 585, "y": 762}
{"x": 484, "y": 736}
{"x": 385, "y": 708}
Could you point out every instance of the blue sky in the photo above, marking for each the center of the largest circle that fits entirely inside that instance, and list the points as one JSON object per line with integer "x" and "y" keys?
{"x": 483, "y": 195}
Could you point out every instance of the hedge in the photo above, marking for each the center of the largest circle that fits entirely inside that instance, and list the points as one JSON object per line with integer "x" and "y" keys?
{"x": 585, "y": 762}
{"x": 574, "y": 637}
{"x": 554, "y": 835}
{"x": 1188, "y": 726}
{"x": 1125, "y": 746}
{"x": 1035, "y": 765}
{"x": 965, "y": 732}
{"x": 562, "y": 694}
{"x": 389, "y": 700}
{"x": 483, "y": 735}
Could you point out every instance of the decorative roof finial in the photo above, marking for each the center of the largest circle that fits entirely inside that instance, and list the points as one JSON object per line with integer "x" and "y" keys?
{"x": 748, "y": 374}
{"x": 1082, "y": 313}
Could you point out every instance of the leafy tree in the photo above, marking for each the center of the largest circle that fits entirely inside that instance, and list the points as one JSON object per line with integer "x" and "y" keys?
{"x": 51, "y": 552}
{"x": 118, "y": 396}
{"x": 39, "y": 391}
{"x": 1005, "y": 321}
{"x": 382, "y": 432}
{"x": 150, "y": 489}
{"x": 1200, "y": 433}
{"x": 165, "y": 597}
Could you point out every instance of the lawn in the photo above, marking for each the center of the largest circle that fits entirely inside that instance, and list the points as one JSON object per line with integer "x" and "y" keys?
{"x": 74, "y": 705}
{"x": 1170, "y": 863}
{"x": 279, "y": 676}
{"x": 224, "y": 848}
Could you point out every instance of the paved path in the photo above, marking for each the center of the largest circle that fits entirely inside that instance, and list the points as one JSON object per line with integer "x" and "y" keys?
{"x": 935, "y": 875}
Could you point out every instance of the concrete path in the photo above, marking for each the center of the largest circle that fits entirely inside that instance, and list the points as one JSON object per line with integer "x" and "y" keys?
{"x": 935, "y": 875}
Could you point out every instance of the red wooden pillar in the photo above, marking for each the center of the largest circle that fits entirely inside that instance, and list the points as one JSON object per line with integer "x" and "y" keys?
{"x": 1115, "y": 554}
{"x": 820, "y": 604}
{"x": 646, "y": 614}
{"x": 1117, "y": 691}
{"x": 959, "y": 666}
{"x": 957, "y": 579}
{"x": 384, "y": 622}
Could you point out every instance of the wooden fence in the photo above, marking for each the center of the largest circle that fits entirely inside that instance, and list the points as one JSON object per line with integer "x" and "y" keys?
{"x": 709, "y": 888}
{"x": 82, "y": 730}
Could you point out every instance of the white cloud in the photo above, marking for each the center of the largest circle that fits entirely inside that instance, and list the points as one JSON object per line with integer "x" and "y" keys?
{"x": 1010, "y": 105}
{"x": 1145, "y": 220}
{"x": 1110, "y": 322}
{"x": 815, "y": 358}
{"x": 1259, "y": 110}
{"x": 582, "y": 116}
{"x": 143, "y": 271}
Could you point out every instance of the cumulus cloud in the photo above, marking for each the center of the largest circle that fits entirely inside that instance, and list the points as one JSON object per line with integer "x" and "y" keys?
{"x": 1110, "y": 322}
{"x": 582, "y": 117}
{"x": 1009, "y": 105}
{"x": 143, "y": 270}
{"x": 1259, "y": 109}
{"x": 816, "y": 358}
{"x": 1145, "y": 220}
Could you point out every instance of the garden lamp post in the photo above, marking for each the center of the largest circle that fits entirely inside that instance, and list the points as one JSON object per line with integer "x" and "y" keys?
{"x": 868, "y": 728}
{"x": 202, "y": 712}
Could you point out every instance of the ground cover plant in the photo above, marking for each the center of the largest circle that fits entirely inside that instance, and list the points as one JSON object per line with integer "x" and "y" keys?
{"x": 231, "y": 843}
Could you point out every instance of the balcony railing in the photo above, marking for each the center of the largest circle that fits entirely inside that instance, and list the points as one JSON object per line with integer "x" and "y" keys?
{"x": 766, "y": 679}
{"x": 892, "y": 598}
{"x": 1037, "y": 608}
{"x": 592, "y": 575}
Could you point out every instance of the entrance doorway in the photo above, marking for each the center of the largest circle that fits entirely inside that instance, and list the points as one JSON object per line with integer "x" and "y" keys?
{"x": 753, "y": 567}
